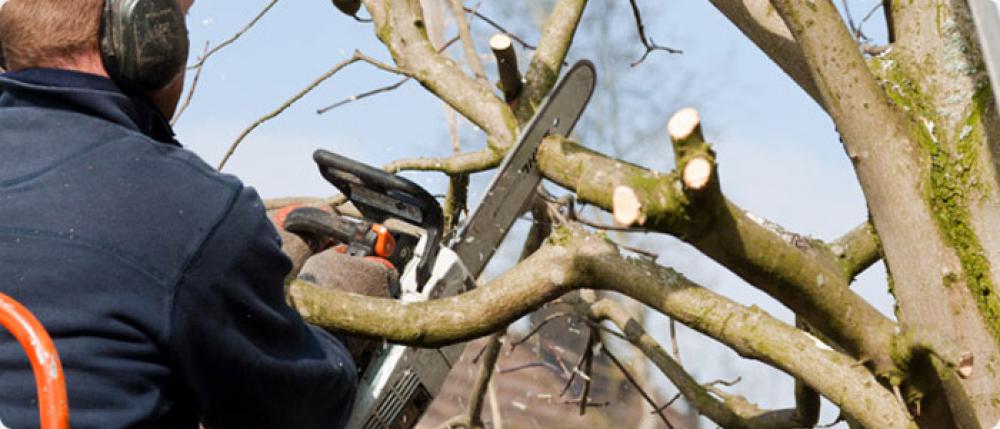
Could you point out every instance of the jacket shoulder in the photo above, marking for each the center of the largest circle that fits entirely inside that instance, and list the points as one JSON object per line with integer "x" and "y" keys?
{"x": 153, "y": 203}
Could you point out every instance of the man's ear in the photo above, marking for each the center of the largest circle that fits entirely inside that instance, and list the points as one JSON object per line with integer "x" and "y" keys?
{"x": 185, "y": 5}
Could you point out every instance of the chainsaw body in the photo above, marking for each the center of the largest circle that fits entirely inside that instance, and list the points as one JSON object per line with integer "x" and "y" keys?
{"x": 400, "y": 382}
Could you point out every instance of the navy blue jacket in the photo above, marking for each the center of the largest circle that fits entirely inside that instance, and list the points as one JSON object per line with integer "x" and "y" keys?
{"x": 160, "y": 280}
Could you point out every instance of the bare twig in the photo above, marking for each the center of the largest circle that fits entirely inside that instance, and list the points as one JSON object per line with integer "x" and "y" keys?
{"x": 537, "y": 328}
{"x": 668, "y": 404}
{"x": 365, "y": 94}
{"x": 647, "y": 41}
{"x": 597, "y": 325}
{"x": 379, "y": 90}
{"x": 631, "y": 379}
{"x": 483, "y": 380}
{"x": 673, "y": 340}
{"x": 727, "y": 383}
{"x": 358, "y": 56}
{"x": 855, "y": 31}
{"x": 234, "y": 37}
{"x": 190, "y": 94}
{"x": 500, "y": 28}
{"x": 537, "y": 364}
{"x": 559, "y": 360}
{"x": 588, "y": 368}
{"x": 576, "y": 368}
{"x": 870, "y": 13}
{"x": 471, "y": 56}
{"x": 858, "y": 32}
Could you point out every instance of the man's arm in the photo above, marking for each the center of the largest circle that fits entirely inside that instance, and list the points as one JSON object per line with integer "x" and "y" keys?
{"x": 249, "y": 360}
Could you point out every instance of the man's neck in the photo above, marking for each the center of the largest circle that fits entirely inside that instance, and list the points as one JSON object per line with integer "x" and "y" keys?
{"x": 84, "y": 63}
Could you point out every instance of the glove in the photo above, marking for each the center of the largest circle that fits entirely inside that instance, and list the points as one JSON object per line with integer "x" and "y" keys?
{"x": 363, "y": 276}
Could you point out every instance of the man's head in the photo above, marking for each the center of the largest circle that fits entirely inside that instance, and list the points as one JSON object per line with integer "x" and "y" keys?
{"x": 65, "y": 34}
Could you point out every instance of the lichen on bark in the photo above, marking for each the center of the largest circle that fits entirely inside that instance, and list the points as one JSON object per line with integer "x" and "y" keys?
{"x": 952, "y": 178}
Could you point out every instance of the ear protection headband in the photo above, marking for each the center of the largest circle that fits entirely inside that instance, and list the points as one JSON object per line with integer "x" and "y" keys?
{"x": 144, "y": 43}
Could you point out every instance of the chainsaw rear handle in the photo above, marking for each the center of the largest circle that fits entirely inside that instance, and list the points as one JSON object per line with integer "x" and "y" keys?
{"x": 319, "y": 226}
{"x": 379, "y": 195}
{"x": 53, "y": 408}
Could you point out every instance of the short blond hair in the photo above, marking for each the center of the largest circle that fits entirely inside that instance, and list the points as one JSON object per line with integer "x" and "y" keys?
{"x": 48, "y": 33}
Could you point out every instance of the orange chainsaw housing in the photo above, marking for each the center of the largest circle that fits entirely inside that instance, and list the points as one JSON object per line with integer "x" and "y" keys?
{"x": 53, "y": 407}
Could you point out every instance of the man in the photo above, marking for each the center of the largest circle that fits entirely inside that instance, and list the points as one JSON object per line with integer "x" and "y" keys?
{"x": 160, "y": 280}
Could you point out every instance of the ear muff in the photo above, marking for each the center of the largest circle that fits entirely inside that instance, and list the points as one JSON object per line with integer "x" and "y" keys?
{"x": 144, "y": 43}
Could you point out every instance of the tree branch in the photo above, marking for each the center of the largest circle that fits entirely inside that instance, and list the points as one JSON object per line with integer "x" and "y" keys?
{"x": 647, "y": 42}
{"x": 557, "y": 36}
{"x": 857, "y": 250}
{"x": 757, "y": 20}
{"x": 400, "y": 26}
{"x": 234, "y": 37}
{"x": 479, "y": 388}
{"x": 468, "y": 45}
{"x": 573, "y": 260}
{"x": 510, "y": 76}
{"x": 190, "y": 94}
{"x": 800, "y": 272}
{"x": 803, "y": 273}
{"x": 733, "y": 412}
{"x": 358, "y": 56}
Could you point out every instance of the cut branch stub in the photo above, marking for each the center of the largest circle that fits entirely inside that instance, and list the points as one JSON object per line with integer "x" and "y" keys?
{"x": 692, "y": 154}
{"x": 510, "y": 76}
{"x": 697, "y": 173}
{"x": 626, "y": 207}
{"x": 686, "y": 123}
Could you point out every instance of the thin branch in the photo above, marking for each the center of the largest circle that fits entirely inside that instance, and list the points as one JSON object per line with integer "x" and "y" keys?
{"x": 668, "y": 404}
{"x": 724, "y": 382}
{"x": 471, "y": 56}
{"x": 858, "y": 249}
{"x": 756, "y": 19}
{"x": 537, "y": 364}
{"x": 631, "y": 379}
{"x": 588, "y": 369}
{"x": 190, "y": 94}
{"x": 231, "y": 40}
{"x": 674, "y": 347}
{"x": 871, "y": 12}
{"x": 647, "y": 42}
{"x": 475, "y": 409}
{"x": 379, "y": 90}
{"x": 582, "y": 260}
{"x": 542, "y": 73}
{"x": 358, "y": 56}
{"x": 500, "y": 28}
{"x": 538, "y": 327}
{"x": 680, "y": 211}
{"x": 855, "y": 31}
{"x": 575, "y": 372}
{"x": 365, "y": 94}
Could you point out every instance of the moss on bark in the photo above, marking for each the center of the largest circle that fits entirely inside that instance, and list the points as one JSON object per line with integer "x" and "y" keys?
{"x": 952, "y": 178}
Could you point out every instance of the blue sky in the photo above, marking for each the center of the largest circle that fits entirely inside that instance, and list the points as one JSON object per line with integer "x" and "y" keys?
{"x": 779, "y": 155}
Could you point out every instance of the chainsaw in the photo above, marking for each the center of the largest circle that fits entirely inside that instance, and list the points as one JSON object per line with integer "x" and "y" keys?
{"x": 399, "y": 383}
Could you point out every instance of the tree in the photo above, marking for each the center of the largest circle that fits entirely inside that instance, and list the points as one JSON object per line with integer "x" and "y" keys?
{"x": 917, "y": 120}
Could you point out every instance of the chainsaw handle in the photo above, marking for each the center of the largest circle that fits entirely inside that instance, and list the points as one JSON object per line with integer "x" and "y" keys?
{"x": 379, "y": 195}
{"x": 332, "y": 167}
{"x": 313, "y": 222}
{"x": 53, "y": 408}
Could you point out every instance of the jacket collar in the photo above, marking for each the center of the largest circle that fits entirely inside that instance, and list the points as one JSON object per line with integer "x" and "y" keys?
{"x": 84, "y": 93}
